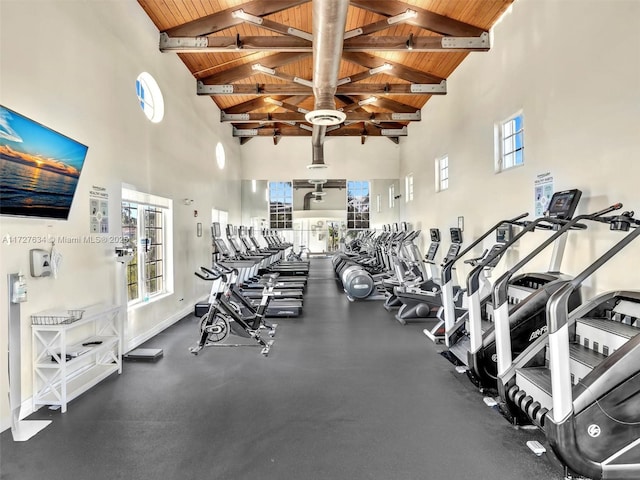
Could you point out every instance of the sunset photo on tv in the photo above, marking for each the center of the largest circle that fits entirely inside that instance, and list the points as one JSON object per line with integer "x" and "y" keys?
{"x": 39, "y": 168}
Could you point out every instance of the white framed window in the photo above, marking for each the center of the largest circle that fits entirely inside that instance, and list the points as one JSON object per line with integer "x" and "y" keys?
{"x": 378, "y": 203}
{"x": 509, "y": 143}
{"x": 408, "y": 188}
{"x": 147, "y": 222}
{"x": 392, "y": 196}
{"x": 357, "y": 204}
{"x": 281, "y": 205}
{"x": 150, "y": 97}
{"x": 442, "y": 173}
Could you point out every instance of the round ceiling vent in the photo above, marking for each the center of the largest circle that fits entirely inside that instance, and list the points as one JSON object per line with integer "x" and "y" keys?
{"x": 325, "y": 117}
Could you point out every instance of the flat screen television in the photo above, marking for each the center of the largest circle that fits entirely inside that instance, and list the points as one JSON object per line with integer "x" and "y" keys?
{"x": 39, "y": 168}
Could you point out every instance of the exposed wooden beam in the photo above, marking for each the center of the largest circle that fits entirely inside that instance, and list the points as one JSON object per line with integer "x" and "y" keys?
{"x": 393, "y": 105}
{"x": 347, "y": 89}
{"x": 243, "y": 71}
{"x": 225, "y": 18}
{"x": 350, "y": 131}
{"x": 293, "y": 44}
{"x": 424, "y": 19}
{"x": 298, "y": 117}
{"x": 399, "y": 71}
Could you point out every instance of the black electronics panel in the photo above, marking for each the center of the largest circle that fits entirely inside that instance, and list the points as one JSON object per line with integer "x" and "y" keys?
{"x": 451, "y": 253}
{"x": 563, "y": 204}
{"x": 405, "y": 226}
{"x": 431, "y": 254}
{"x": 504, "y": 233}
{"x": 456, "y": 235}
{"x": 242, "y": 230}
{"x": 435, "y": 234}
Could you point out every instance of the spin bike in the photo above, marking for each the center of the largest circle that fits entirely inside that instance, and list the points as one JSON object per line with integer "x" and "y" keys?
{"x": 228, "y": 311}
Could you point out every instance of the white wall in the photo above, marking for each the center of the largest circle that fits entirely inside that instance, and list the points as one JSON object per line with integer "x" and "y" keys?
{"x": 345, "y": 157}
{"x": 580, "y": 97}
{"x": 72, "y": 66}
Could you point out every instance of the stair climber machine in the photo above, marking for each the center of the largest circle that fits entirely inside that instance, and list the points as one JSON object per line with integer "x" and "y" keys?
{"x": 579, "y": 381}
{"x": 471, "y": 338}
{"x": 407, "y": 268}
{"x": 421, "y": 302}
{"x": 287, "y": 302}
{"x": 515, "y": 300}
{"x": 228, "y": 312}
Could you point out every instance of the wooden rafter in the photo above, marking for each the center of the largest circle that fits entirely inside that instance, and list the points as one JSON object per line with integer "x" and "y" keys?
{"x": 243, "y": 71}
{"x": 424, "y": 19}
{"x": 293, "y": 44}
{"x": 296, "y": 116}
{"x": 399, "y": 71}
{"x": 225, "y": 18}
{"x": 291, "y": 89}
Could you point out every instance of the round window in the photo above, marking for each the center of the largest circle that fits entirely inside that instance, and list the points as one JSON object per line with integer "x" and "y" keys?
{"x": 150, "y": 97}
{"x": 220, "y": 157}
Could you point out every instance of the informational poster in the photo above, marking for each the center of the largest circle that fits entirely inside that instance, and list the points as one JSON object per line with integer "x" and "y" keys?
{"x": 98, "y": 210}
{"x": 543, "y": 191}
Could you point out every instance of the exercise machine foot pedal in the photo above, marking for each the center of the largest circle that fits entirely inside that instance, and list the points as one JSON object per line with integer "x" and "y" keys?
{"x": 536, "y": 447}
{"x": 490, "y": 402}
{"x": 461, "y": 369}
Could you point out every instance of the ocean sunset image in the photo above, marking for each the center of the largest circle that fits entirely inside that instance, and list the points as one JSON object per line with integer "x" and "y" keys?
{"x": 39, "y": 168}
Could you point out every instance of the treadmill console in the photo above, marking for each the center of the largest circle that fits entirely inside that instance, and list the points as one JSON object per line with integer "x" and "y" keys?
{"x": 435, "y": 234}
{"x": 215, "y": 230}
{"x": 563, "y": 204}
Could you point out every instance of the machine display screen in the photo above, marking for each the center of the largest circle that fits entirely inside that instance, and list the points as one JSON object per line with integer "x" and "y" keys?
{"x": 563, "y": 204}
{"x": 435, "y": 234}
{"x": 456, "y": 235}
{"x": 503, "y": 233}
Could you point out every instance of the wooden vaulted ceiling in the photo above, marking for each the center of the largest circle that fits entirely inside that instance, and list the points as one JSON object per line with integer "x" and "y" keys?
{"x": 255, "y": 59}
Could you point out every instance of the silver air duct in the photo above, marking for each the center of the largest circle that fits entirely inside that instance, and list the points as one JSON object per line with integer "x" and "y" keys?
{"x": 329, "y": 21}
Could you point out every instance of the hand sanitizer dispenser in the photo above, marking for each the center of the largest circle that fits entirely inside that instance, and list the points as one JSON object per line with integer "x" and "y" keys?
{"x": 40, "y": 263}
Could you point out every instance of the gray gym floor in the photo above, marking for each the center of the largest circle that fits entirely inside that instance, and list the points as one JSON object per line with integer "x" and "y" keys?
{"x": 346, "y": 393}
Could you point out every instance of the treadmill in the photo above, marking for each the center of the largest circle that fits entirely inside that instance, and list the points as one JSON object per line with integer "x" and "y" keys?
{"x": 286, "y": 303}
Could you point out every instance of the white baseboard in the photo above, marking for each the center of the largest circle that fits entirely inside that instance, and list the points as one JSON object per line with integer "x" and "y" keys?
{"x": 140, "y": 339}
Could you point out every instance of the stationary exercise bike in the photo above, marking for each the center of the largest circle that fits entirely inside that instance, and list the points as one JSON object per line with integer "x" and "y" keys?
{"x": 228, "y": 311}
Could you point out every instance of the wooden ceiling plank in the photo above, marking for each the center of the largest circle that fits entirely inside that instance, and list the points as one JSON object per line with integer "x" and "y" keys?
{"x": 400, "y": 71}
{"x": 426, "y": 19}
{"x": 224, "y": 19}
{"x": 250, "y": 105}
{"x": 246, "y": 70}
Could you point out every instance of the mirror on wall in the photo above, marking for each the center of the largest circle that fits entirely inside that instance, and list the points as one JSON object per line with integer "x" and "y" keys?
{"x": 321, "y": 214}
